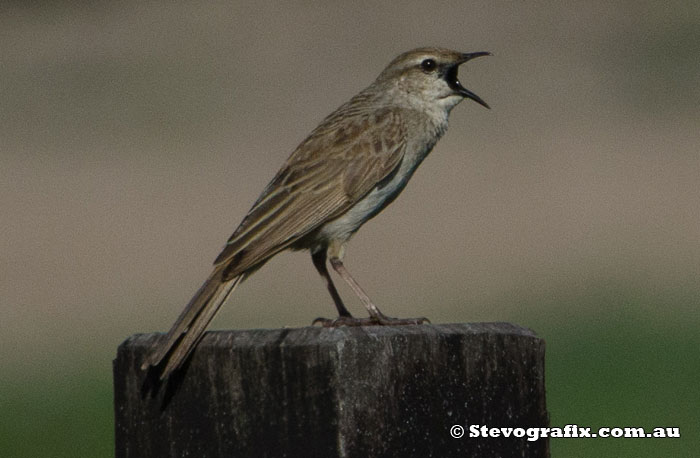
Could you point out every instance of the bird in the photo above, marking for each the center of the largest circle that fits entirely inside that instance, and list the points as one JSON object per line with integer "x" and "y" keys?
{"x": 351, "y": 166}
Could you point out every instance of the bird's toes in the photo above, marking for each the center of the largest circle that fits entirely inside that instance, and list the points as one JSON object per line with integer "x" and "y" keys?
{"x": 344, "y": 321}
{"x": 387, "y": 321}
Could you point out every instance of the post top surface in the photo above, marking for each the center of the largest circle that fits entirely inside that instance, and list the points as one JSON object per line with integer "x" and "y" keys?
{"x": 315, "y": 335}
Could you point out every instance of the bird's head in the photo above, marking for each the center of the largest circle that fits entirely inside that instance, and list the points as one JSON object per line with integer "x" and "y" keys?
{"x": 429, "y": 75}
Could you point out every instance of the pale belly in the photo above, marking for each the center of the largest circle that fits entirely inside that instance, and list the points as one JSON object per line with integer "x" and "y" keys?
{"x": 342, "y": 228}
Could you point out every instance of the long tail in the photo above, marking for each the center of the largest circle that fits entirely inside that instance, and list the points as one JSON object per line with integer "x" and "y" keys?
{"x": 192, "y": 322}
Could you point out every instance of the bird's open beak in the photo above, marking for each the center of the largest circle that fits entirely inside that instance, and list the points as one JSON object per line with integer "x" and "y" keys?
{"x": 455, "y": 85}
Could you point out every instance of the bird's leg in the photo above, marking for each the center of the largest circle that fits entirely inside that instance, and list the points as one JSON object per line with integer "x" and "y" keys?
{"x": 376, "y": 316}
{"x": 319, "y": 259}
{"x": 344, "y": 316}
{"x": 338, "y": 266}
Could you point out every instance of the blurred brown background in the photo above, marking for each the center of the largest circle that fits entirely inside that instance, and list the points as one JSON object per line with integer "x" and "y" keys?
{"x": 134, "y": 136}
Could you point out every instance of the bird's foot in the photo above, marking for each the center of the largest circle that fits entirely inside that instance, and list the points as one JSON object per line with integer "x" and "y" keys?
{"x": 388, "y": 321}
{"x": 370, "y": 321}
{"x": 344, "y": 321}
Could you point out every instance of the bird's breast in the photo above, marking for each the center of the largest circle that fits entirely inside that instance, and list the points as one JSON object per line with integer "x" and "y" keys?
{"x": 381, "y": 195}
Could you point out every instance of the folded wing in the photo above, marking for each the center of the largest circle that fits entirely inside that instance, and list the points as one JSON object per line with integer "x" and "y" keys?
{"x": 340, "y": 162}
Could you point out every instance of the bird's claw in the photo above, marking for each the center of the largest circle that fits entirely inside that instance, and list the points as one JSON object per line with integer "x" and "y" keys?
{"x": 388, "y": 321}
{"x": 344, "y": 321}
{"x": 370, "y": 321}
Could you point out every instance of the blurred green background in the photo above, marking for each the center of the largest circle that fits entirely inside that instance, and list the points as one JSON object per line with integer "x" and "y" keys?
{"x": 135, "y": 135}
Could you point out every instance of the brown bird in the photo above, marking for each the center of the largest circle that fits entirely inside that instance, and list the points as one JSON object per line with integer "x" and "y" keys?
{"x": 354, "y": 164}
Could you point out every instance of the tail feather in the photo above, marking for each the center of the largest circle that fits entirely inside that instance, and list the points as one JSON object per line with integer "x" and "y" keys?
{"x": 192, "y": 322}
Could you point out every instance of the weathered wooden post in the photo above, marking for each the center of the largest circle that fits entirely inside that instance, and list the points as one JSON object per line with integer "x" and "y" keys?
{"x": 346, "y": 392}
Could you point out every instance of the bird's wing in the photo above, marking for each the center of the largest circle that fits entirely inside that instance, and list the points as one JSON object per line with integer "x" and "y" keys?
{"x": 326, "y": 175}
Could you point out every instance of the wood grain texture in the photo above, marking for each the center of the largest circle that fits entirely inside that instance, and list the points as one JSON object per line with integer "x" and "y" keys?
{"x": 347, "y": 392}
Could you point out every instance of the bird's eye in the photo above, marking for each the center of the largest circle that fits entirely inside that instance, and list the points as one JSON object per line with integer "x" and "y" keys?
{"x": 428, "y": 65}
